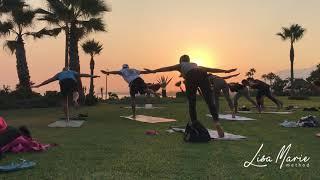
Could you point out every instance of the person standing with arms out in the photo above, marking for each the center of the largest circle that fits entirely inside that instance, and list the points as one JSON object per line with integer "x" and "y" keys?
{"x": 68, "y": 86}
{"x": 136, "y": 83}
{"x": 196, "y": 76}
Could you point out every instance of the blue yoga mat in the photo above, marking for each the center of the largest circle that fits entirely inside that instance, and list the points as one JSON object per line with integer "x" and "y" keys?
{"x": 24, "y": 164}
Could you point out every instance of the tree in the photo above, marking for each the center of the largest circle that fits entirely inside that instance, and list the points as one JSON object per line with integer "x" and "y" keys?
{"x": 92, "y": 48}
{"x": 279, "y": 85}
{"x": 271, "y": 77}
{"x": 18, "y": 23}
{"x": 314, "y": 75}
{"x": 164, "y": 82}
{"x": 293, "y": 33}
{"x": 264, "y": 77}
{"x": 251, "y": 73}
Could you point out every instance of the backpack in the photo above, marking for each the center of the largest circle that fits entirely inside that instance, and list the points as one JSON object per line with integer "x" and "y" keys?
{"x": 196, "y": 132}
{"x": 308, "y": 121}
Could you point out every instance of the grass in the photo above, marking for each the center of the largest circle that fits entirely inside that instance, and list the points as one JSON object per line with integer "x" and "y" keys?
{"x": 108, "y": 147}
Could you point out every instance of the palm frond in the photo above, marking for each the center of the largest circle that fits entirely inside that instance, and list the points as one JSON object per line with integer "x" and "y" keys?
{"x": 5, "y": 28}
{"x": 10, "y": 5}
{"x": 93, "y": 24}
{"x": 45, "y": 32}
{"x": 92, "y": 47}
{"x": 23, "y": 17}
{"x": 92, "y": 8}
{"x": 11, "y": 45}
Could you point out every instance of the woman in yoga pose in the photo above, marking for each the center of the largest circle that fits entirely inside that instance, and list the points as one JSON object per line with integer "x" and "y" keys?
{"x": 136, "y": 83}
{"x": 68, "y": 86}
{"x": 196, "y": 76}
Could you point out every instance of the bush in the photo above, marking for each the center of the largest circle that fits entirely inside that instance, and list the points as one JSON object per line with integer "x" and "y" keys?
{"x": 91, "y": 100}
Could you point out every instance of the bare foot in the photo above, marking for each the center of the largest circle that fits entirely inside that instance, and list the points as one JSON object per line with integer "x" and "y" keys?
{"x": 233, "y": 115}
{"x": 220, "y": 130}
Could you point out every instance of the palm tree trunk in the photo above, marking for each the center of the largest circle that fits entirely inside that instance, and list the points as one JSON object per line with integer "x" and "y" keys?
{"x": 74, "y": 63}
{"x": 66, "y": 59}
{"x": 291, "y": 63}
{"x": 91, "y": 93}
{"x": 164, "y": 93}
{"x": 22, "y": 67}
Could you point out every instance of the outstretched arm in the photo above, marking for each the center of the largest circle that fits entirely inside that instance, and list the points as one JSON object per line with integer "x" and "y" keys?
{"x": 231, "y": 76}
{"x": 165, "y": 69}
{"x": 213, "y": 70}
{"x": 54, "y": 78}
{"x": 111, "y": 72}
{"x": 88, "y": 75}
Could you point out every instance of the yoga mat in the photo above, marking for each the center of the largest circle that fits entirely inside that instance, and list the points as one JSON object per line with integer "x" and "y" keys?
{"x": 275, "y": 112}
{"x": 149, "y": 119}
{"x": 142, "y": 107}
{"x": 214, "y": 135}
{"x": 17, "y": 166}
{"x": 230, "y": 118}
{"x": 74, "y": 118}
{"x": 64, "y": 124}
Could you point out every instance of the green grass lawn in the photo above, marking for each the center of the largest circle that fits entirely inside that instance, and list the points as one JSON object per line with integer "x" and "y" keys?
{"x": 108, "y": 147}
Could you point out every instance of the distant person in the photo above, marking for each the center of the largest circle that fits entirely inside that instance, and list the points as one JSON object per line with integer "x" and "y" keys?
{"x": 241, "y": 90}
{"x": 136, "y": 83}
{"x": 219, "y": 85}
{"x": 68, "y": 86}
{"x": 263, "y": 90}
{"x": 196, "y": 76}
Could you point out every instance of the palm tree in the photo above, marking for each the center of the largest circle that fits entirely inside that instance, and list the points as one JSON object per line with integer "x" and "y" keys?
{"x": 164, "y": 82}
{"x": 19, "y": 22}
{"x": 264, "y": 77}
{"x": 251, "y": 73}
{"x": 294, "y": 33}
{"x": 92, "y": 48}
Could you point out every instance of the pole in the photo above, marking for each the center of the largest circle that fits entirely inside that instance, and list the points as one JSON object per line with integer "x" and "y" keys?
{"x": 106, "y": 87}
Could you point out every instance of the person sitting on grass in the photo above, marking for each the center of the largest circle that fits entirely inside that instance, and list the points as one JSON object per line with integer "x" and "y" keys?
{"x": 68, "y": 86}
{"x": 263, "y": 90}
{"x": 136, "y": 83}
{"x": 241, "y": 90}
{"x": 219, "y": 84}
{"x": 196, "y": 76}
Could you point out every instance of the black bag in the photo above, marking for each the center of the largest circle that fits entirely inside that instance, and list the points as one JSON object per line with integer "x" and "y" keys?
{"x": 308, "y": 121}
{"x": 196, "y": 132}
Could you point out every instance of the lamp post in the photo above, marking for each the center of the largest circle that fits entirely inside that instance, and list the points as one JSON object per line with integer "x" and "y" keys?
{"x": 107, "y": 86}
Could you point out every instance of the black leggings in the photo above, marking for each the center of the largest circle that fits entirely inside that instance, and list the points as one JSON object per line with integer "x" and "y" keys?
{"x": 199, "y": 79}
{"x": 268, "y": 94}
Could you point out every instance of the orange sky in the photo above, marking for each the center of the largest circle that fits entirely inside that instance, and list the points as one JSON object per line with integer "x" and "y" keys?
{"x": 151, "y": 34}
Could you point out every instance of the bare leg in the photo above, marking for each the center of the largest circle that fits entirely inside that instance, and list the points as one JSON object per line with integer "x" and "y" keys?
{"x": 133, "y": 106}
{"x": 226, "y": 94}
{"x": 67, "y": 110}
{"x": 246, "y": 94}
{"x": 207, "y": 95}
{"x": 75, "y": 98}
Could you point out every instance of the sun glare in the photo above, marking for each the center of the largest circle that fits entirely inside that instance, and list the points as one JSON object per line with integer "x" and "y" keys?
{"x": 202, "y": 57}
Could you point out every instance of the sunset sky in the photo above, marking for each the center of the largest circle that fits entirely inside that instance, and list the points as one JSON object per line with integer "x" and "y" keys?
{"x": 153, "y": 33}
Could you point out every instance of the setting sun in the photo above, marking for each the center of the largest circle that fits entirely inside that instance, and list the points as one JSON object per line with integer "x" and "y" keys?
{"x": 203, "y": 57}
